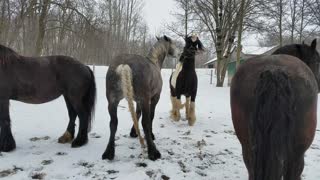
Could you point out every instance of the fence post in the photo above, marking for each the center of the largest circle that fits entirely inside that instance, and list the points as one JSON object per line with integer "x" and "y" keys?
{"x": 211, "y": 74}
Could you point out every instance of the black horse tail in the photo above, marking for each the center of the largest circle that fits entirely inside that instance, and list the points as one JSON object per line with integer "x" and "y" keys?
{"x": 271, "y": 125}
{"x": 90, "y": 99}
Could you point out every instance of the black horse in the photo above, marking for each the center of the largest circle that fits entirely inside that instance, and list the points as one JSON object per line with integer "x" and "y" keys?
{"x": 184, "y": 81}
{"x": 137, "y": 78}
{"x": 38, "y": 80}
{"x": 274, "y": 110}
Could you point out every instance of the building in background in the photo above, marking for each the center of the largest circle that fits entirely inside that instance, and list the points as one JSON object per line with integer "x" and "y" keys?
{"x": 247, "y": 52}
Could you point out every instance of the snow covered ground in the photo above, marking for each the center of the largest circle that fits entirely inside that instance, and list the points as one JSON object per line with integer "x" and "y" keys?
{"x": 209, "y": 150}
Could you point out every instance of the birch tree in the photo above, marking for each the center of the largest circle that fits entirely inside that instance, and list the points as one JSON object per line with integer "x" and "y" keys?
{"x": 221, "y": 18}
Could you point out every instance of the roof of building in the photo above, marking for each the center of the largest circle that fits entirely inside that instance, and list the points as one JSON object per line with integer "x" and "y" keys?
{"x": 256, "y": 50}
{"x": 249, "y": 50}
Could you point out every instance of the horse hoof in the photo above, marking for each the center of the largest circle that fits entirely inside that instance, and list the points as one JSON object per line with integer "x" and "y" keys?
{"x": 154, "y": 155}
{"x": 175, "y": 115}
{"x": 108, "y": 154}
{"x": 152, "y": 136}
{"x": 191, "y": 121}
{"x": 65, "y": 138}
{"x": 7, "y": 144}
{"x": 133, "y": 133}
{"x": 78, "y": 142}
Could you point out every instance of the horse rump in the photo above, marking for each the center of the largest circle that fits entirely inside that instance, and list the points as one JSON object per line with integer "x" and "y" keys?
{"x": 271, "y": 125}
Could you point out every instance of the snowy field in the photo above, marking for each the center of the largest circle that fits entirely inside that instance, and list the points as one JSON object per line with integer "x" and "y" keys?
{"x": 209, "y": 150}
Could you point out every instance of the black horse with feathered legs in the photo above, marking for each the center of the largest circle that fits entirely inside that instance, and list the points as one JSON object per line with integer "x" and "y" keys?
{"x": 184, "y": 81}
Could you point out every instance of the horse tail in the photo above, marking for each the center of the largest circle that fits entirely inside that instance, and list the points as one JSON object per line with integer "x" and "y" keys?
{"x": 271, "y": 125}
{"x": 90, "y": 99}
{"x": 125, "y": 73}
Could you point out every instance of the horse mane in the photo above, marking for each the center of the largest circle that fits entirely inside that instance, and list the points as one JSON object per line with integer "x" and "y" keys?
{"x": 156, "y": 50}
{"x": 7, "y": 55}
{"x": 298, "y": 50}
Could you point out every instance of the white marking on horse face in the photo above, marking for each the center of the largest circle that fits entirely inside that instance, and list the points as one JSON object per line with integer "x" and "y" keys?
{"x": 176, "y": 74}
{"x": 194, "y": 37}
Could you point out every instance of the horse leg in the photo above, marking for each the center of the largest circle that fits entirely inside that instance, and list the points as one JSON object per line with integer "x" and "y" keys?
{"x": 7, "y": 142}
{"x": 192, "y": 113}
{"x": 154, "y": 102}
{"x": 295, "y": 168}
{"x": 247, "y": 161}
{"x": 109, "y": 152}
{"x": 176, "y": 106}
{"x": 69, "y": 134}
{"x": 82, "y": 137}
{"x": 153, "y": 153}
{"x": 188, "y": 99}
{"x": 133, "y": 132}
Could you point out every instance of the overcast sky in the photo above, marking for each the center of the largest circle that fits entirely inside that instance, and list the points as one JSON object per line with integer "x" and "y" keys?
{"x": 157, "y": 13}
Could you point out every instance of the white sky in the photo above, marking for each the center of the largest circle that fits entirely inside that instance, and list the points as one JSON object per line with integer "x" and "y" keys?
{"x": 157, "y": 13}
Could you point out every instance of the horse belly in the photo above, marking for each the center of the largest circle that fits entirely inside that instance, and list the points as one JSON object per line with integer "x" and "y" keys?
{"x": 38, "y": 93}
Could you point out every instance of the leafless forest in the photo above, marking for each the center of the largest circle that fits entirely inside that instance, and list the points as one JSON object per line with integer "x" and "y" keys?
{"x": 92, "y": 31}
{"x": 96, "y": 30}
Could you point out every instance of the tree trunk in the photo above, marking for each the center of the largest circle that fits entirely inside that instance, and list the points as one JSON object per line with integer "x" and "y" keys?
{"x": 240, "y": 29}
{"x": 41, "y": 27}
{"x": 293, "y": 20}
{"x": 302, "y": 21}
{"x": 186, "y": 18}
{"x": 280, "y": 23}
{"x": 219, "y": 46}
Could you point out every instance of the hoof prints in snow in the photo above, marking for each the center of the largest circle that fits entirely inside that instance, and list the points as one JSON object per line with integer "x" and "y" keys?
{"x": 141, "y": 164}
{"x": 39, "y": 138}
{"x": 61, "y": 153}
{"x": 95, "y": 135}
{"x": 37, "y": 175}
{"x": 9, "y": 172}
{"x": 47, "y": 162}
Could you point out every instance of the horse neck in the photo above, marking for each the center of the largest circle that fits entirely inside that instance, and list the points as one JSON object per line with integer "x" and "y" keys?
{"x": 189, "y": 60}
{"x": 157, "y": 55}
{"x": 189, "y": 63}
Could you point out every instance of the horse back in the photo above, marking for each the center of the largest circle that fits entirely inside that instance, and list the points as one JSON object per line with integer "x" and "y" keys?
{"x": 42, "y": 79}
{"x": 146, "y": 76}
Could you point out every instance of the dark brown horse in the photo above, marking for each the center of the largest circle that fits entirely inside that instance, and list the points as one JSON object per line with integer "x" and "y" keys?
{"x": 274, "y": 111}
{"x": 37, "y": 80}
{"x": 137, "y": 78}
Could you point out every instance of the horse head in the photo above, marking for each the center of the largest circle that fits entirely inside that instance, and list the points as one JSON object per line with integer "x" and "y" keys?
{"x": 7, "y": 55}
{"x": 308, "y": 54}
{"x": 170, "y": 45}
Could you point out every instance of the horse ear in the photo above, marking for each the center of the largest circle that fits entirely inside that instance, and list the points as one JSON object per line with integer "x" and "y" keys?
{"x": 167, "y": 38}
{"x": 157, "y": 38}
{"x": 314, "y": 44}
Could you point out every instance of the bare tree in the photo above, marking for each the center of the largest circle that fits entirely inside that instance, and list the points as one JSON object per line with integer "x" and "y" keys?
{"x": 42, "y": 26}
{"x": 245, "y": 8}
{"x": 92, "y": 31}
{"x": 222, "y": 20}
{"x": 185, "y": 18}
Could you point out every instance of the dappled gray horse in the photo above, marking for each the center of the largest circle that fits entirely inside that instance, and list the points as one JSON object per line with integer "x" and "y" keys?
{"x": 137, "y": 78}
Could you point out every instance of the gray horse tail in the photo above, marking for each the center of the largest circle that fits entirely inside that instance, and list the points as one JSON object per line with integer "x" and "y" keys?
{"x": 125, "y": 73}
